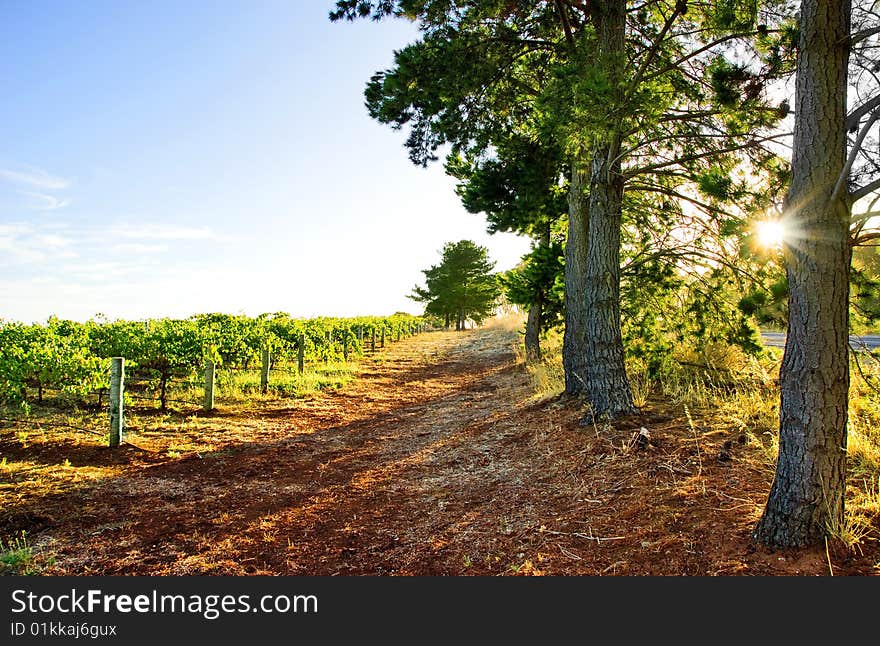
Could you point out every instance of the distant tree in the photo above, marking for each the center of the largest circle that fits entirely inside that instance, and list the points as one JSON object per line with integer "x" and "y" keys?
{"x": 461, "y": 287}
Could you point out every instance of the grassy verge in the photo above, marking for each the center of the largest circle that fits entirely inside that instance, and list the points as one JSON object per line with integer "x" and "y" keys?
{"x": 18, "y": 557}
{"x": 723, "y": 388}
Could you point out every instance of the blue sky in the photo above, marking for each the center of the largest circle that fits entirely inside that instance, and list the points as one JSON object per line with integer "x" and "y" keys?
{"x": 169, "y": 158}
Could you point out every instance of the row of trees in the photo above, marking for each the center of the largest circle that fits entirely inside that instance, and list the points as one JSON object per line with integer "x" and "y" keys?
{"x": 644, "y": 136}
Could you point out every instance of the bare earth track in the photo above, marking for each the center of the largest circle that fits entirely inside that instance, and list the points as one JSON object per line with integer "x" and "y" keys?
{"x": 434, "y": 461}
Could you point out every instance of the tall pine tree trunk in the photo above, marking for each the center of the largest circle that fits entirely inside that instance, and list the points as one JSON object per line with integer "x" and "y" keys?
{"x": 807, "y": 496}
{"x": 608, "y": 389}
{"x": 535, "y": 321}
{"x": 574, "y": 352}
{"x": 533, "y": 327}
{"x": 593, "y": 355}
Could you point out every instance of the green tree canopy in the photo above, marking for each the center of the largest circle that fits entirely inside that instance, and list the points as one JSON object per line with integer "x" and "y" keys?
{"x": 461, "y": 287}
{"x": 654, "y": 103}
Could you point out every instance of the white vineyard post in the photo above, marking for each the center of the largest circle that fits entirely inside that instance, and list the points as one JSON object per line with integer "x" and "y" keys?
{"x": 264, "y": 373}
{"x": 117, "y": 422}
{"x": 209, "y": 386}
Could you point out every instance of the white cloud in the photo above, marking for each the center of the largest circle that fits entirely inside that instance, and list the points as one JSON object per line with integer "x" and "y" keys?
{"x": 52, "y": 241}
{"x": 139, "y": 249}
{"x": 34, "y": 177}
{"x": 84, "y": 274}
{"x": 43, "y": 202}
{"x": 14, "y": 229}
{"x": 16, "y": 242}
{"x": 22, "y": 243}
{"x": 163, "y": 232}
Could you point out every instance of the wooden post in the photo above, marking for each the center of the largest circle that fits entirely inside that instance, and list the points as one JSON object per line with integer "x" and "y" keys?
{"x": 300, "y": 353}
{"x": 264, "y": 374}
{"x": 117, "y": 379}
{"x": 373, "y": 341}
{"x": 383, "y": 336}
{"x": 398, "y": 334}
{"x": 345, "y": 334}
{"x": 361, "y": 334}
{"x": 209, "y": 386}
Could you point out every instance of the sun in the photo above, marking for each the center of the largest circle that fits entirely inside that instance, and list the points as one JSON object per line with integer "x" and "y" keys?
{"x": 771, "y": 233}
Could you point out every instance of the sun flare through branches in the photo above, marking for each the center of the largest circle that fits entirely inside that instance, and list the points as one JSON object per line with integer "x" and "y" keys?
{"x": 770, "y": 233}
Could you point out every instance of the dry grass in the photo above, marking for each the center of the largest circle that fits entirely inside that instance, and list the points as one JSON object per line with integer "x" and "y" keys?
{"x": 725, "y": 389}
{"x": 546, "y": 374}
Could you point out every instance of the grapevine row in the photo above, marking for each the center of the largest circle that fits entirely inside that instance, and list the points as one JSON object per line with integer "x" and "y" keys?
{"x": 74, "y": 357}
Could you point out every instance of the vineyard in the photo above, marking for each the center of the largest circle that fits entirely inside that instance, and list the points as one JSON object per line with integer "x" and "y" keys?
{"x": 163, "y": 363}
{"x": 435, "y": 457}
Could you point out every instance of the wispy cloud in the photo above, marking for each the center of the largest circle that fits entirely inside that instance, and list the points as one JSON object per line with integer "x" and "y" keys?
{"x": 138, "y": 249}
{"x": 43, "y": 202}
{"x": 52, "y": 241}
{"x": 17, "y": 243}
{"x": 37, "y": 186}
{"x": 22, "y": 243}
{"x": 163, "y": 232}
{"x": 99, "y": 270}
{"x": 34, "y": 177}
{"x": 14, "y": 229}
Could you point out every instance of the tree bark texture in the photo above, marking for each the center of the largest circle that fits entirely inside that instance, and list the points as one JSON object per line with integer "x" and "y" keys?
{"x": 608, "y": 389}
{"x": 593, "y": 355}
{"x": 574, "y": 354}
{"x": 806, "y": 499}
{"x": 533, "y": 327}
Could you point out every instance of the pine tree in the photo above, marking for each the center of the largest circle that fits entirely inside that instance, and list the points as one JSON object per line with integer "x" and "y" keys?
{"x": 462, "y": 287}
{"x": 830, "y": 173}
{"x": 639, "y": 98}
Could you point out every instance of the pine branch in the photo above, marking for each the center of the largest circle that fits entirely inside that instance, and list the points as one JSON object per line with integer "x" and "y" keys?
{"x": 566, "y": 25}
{"x": 652, "y": 52}
{"x": 853, "y": 153}
{"x": 867, "y": 189}
{"x": 865, "y": 237}
{"x": 689, "y": 158}
{"x": 859, "y": 36}
{"x": 678, "y": 63}
{"x": 662, "y": 190}
{"x": 853, "y": 118}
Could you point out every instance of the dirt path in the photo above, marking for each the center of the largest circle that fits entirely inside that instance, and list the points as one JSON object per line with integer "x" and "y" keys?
{"x": 367, "y": 480}
{"x": 432, "y": 461}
